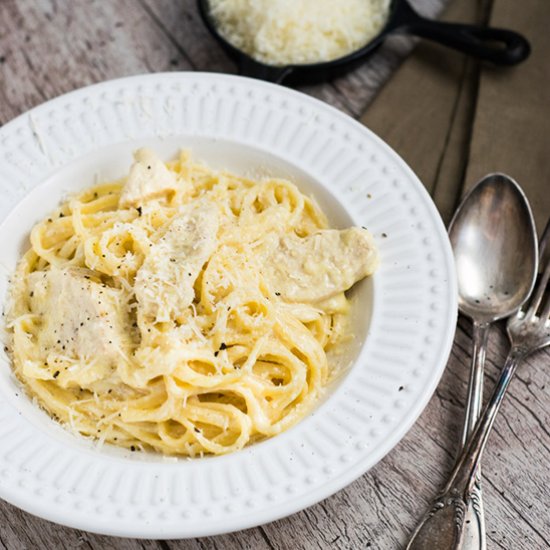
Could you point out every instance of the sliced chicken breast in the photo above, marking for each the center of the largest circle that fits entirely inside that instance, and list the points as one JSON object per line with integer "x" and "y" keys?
{"x": 164, "y": 283}
{"x": 316, "y": 268}
{"x": 148, "y": 179}
{"x": 82, "y": 319}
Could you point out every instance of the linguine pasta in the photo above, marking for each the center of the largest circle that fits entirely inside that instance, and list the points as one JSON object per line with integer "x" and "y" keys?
{"x": 182, "y": 309}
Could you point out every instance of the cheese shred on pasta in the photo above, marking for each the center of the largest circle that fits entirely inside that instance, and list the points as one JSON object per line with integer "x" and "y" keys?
{"x": 181, "y": 309}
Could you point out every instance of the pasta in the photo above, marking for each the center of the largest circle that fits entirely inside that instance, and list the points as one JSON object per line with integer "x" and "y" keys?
{"x": 181, "y": 309}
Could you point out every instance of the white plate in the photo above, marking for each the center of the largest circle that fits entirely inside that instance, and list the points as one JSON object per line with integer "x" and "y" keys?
{"x": 408, "y": 308}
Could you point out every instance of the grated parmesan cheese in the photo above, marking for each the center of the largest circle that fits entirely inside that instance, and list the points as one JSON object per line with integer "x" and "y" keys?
{"x": 298, "y": 32}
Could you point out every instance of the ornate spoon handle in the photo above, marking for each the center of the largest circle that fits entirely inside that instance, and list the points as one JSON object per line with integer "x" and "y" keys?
{"x": 474, "y": 522}
{"x": 443, "y": 526}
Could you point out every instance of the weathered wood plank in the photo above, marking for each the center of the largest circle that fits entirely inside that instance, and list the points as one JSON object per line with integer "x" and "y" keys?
{"x": 21, "y": 531}
{"x": 54, "y": 47}
{"x": 251, "y": 539}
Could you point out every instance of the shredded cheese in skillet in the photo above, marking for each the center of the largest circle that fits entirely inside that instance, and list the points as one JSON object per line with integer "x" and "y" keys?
{"x": 182, "y": 309}
{"x": 298, "y": 32}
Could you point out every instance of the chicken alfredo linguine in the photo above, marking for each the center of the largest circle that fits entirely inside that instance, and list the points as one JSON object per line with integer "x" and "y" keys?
{"x": 182, "y": 309}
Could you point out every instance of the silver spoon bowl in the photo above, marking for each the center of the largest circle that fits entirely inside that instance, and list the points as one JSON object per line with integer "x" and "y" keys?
{"x": 493, "y": 239}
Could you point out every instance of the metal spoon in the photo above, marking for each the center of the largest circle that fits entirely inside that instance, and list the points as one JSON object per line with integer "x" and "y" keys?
{"x": 492, "y": 234}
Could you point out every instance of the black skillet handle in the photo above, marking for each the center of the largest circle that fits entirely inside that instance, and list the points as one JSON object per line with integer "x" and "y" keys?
{"x": 254, "y": 69}
{"x": 499, "y": 46}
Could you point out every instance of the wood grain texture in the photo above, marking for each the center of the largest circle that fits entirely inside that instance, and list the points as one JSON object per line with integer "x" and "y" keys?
{"x": 48, "y": 47}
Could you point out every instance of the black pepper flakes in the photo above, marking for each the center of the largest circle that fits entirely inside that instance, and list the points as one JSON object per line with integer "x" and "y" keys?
{"x": 277, "y": 293}
{"x": 216, "y": 353}
{"x": 132, "y": 448}
{"x": 56, "y": 374}
{"x": 223, "y": 345}
{"x": 140, "y": 210}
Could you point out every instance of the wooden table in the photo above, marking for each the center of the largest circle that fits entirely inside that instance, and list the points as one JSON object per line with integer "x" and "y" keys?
{"x": 48, "y": 47}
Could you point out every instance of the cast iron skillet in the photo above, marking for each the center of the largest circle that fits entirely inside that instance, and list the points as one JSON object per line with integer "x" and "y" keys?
{"x": 498, "y": 46}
